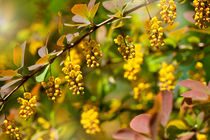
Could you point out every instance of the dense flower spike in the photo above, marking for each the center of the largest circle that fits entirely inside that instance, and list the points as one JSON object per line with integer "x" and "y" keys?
{"x": 127, "y": 48}
{"x": 202, "y": 13}
{"x": 92, "y": 51}
{"x": 89, "y": 119}
{"x": 73, "y": 76}
{"x": 28, "y": 105}
{"x": 199, "y": 73}
{"x": 141, "y": 88}
{"x": 9, "y": 128}
{"x": 167, "y": 77}
{"x": 132, "y": 66}
{"x": 168, "y": 11}
{"x": 52, "y": 88}
{"x": 156, "y": 33}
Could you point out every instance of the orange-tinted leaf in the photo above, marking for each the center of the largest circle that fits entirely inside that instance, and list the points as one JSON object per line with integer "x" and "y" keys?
{"x": 36, "y": 89}
{"x": 17, "y": 53}
{"x": 8, "y": 73}
{"x": 81, "y": 10}
{"x": 60, "y": 23}
{"x": 43, "y": 60}
{"x": 93, "y": 10}
{"x": 141, "y": 123}
{"x": 60, "y": 41}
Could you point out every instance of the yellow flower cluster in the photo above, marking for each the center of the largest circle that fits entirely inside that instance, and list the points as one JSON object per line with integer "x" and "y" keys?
{"x": 73, "y": 76}
{"x": 199, "y": 74}
{"x": 89, "y": 119}
{"x": 9, "y": 128}
{"x": 52, "y": 87}
{"x": 168, "y": 11}
{"x": 28, "y": 105}
{"x": 92, "y": 51}
{"x": 141, "y": 88}
{"x": 76, "y": 57}
{"x": 156, "y": 33}
{"x": 202, "y": 13}
{"x": 127, "y": 48}
{"x": 132, "y": 66}
{"x": 166, "y": 77}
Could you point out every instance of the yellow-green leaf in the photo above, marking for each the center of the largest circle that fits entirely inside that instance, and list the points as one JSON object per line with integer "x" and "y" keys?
{"x": 60, "y": 41}
{"x": 8, "y": 73}
{"x": 118, "y": 14}
{"x": 81, "y": 10}
{"x": 177, "y": 123}
{"x": 93, "y": 10}
{"x": 60, "y": 23}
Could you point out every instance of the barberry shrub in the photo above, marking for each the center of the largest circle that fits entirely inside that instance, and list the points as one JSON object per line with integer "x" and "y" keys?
{"x": 110, "y": 69}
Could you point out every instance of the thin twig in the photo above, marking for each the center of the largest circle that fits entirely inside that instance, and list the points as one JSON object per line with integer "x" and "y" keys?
{"x": 25, "y": 78}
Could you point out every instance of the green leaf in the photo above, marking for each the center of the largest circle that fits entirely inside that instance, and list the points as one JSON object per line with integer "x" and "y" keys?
{"x": 41, "y": 77}
{"x": 93, "y": 11}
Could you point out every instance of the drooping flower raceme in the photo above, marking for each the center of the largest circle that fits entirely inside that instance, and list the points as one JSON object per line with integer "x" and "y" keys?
{"x": 202, "y": 13}
{"x": 132, "y": 66}
{"x": 167, "y": 77}
{"x": 28, "y": 105}
{"x": 126, "y": 48}
{"x": 73, "y": 76}
{"x": 89, "y": 119}
{"x": 168, "y": 11}
{"x": 53, "y": 88}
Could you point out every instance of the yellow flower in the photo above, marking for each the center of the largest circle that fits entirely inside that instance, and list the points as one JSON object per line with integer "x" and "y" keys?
{"x": 28, "y": 105}
{"x": 201, "y": 137}
{"x": 73, "y": 76}
{"x": 126, "y": 49}
{"x": 202, "y": 13}
{"x": 166, "y": 77}
{"x": 132, "y": 66}
{"x": 89, "y": 119}
{"x": 9, "y": 128}
{"x": 168, "y": 11}
{"x": 52, "y": 88}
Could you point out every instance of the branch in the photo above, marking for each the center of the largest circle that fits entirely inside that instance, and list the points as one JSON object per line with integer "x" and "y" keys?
{"x": 24, "y": 79}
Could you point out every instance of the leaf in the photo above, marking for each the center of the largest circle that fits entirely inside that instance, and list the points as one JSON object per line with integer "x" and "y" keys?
{"x": 60, "y": 23}
{"x": 186, "y": 136}
{"x": 81, "y": 10}
{"x": 177, "y": 123}
{"x": 189, "y": 16}
{"x": 79, "y": 19}
{"x": 127, "y": 134}
{"x": 167, "y": 105}
{"x": 41, "y": 77}
{"x": 33, "y": 67}
{"x": 8, "y": 73}
{"x": 154, "y": 122}
{"x": 5, "y": 78}
{"x": 181, "y": 1}
{"x": 43, "y": 51}
{"x": 93, "y": 11}
{"x": 43, "y": 60}
{"x": 60, "y": 41}
{"x": 194, "y": 85}
{"x": 195, "y": 94}
{"x": 140, "y": 123}
{"x": 69, "y": 38}
{"x": 108, "y": 5}
{"x": 91, "y": 4}
{"x": 6, "y": 88}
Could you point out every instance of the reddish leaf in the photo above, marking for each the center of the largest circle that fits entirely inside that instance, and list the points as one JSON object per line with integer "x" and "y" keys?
{"x": 91, "y": 4}
{"x": 127, "y": 134}
{"x": 186, "y": 136}
{"x": 194, "y": 85}
{"x": 140, "y": 123}
{"x": 154, "y": 122}
{"x": 195, "y": 94}
{"x": 167, "y": 105}
{"x": 189, "y": 16}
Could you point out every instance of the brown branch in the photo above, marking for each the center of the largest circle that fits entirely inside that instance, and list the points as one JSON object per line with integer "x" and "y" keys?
{"x": 24, "y": 79}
